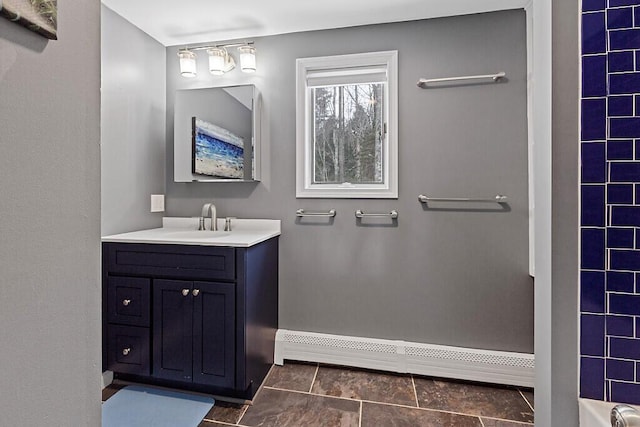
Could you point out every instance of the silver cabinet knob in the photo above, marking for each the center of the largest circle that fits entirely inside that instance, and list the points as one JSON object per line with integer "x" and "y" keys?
{"x": 196, "y": 292}
{"x": 126, "y": 351}
{"x": 185, "y": 292}
{"x": 126, "y": 302}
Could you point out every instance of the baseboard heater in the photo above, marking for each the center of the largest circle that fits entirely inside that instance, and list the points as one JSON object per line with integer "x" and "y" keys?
{"x": 498, "y": 367}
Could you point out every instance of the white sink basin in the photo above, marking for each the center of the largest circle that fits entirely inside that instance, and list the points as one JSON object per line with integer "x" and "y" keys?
{"x": 196, "y": 234}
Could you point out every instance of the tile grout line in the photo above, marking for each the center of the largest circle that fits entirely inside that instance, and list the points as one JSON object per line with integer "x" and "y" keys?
{"x": 246, "y": 408}
{"x": 415, "y": 391}
{"x": 205, "y": 420}
{"x": 315, "y": 374}
{"x": 394, "y": 404}
{"x": 526, "y": 400}
{"x": 360, "y": 417}
{"x": 481, "y": 422}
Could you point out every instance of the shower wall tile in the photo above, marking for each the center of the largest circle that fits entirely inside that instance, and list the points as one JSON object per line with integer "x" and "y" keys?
{"x": 593, "y": 205}
{"x": 592, "y": 298}
{"x": 620, "y": 61}
{"x": 620, "y": 194}
{"x": 620, "y": 281}
{"x": 624, "y": 304}
{"x": 594, "y": 119}
{"x": 624, "y": 348}
{"x": 620, "y": 150}
{"x": 594, "y": 80}
{"x": 594, "y": 35}
{"x": 625, "y": 83}
{"x": 624, "y": 370}
{"x": 621, "y": 105}
{"x": 620, "y": 326}
{"x": 625, "y": 392}
{"x": 592, "y": 342}
{"x": 621, "y": 238}
{"x": 620, "y": 18}
{"x": 593, "y": 5}
{"x": 592, "y": 378}
{"x": 610, "y": 201}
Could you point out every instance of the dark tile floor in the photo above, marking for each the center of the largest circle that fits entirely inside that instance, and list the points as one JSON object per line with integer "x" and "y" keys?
{"x": 311, "y": 395}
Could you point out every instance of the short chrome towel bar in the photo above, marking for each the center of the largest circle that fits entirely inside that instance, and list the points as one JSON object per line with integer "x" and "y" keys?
{"x": 498, "y": 199}
{"x": 393, "y": 214}
{"x": 302, "y": 213}
{"x": 423, "y": 83}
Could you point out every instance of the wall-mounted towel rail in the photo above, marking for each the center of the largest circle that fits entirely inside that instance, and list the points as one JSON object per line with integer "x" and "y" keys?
{"x": 393, "y": 214}
{"x": 423, "y": 83}
{"x": 499, "y": 198}
{"x": 302, "y": 213}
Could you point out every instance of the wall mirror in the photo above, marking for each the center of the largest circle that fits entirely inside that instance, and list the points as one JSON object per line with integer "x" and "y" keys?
{"x": 216, "y": 135}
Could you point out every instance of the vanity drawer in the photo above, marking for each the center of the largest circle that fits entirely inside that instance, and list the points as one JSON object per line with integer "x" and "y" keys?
{"x": 171, "y": 261}
{"x": 129, "y": 301}
{"x": 128, "y": 349}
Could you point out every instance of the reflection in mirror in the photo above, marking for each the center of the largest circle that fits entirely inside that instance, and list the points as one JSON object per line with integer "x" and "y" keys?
{"x": 215, "y": 135}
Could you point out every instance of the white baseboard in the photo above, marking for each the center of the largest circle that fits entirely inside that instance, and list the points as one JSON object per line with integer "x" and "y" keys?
{"x": 497, "y": 367}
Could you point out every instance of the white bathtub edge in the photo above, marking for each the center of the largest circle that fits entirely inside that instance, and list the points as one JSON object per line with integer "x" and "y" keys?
{"x": 596, "y": 413}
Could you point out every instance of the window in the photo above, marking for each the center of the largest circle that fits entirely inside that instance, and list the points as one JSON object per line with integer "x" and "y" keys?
{"x": 346, "y": 126}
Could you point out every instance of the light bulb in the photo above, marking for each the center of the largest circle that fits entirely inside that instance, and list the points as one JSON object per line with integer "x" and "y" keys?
{"x": 217, "y": 60}
{"x": 247, "y": 59}
{"x": 187, "y": 63}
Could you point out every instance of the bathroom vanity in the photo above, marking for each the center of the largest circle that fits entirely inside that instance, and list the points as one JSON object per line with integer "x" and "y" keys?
{"x": 191, "y": 309}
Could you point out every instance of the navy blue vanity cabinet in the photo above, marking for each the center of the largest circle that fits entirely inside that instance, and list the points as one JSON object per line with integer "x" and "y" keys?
{"x": 201, "y": 318}
{"x": 193, "y": 330}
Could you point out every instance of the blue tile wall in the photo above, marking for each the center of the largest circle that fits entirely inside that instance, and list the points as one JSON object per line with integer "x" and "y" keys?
{"x": 610, "y": 201}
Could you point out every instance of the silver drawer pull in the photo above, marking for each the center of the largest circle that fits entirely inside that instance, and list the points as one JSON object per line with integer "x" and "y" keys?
{"x": 126, "y": 351}
{"x": 196, "y": 292}
{"x": 126, "y": 302}
{"x": 185, "y": 292}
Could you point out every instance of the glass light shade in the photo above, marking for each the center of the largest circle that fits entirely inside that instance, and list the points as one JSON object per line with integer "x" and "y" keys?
{"x": 247, "y": 59}
{"x": 187, "y": 63}
{"x": 217, "y": 61}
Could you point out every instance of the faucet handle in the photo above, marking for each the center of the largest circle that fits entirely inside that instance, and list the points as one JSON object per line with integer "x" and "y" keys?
{"x": 227, "y": 223}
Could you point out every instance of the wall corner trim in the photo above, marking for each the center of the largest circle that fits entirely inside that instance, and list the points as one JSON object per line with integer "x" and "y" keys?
{"x": 490, "y": 366}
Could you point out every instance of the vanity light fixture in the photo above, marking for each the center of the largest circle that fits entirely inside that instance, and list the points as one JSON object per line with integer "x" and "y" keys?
{"x": 220, "y": 60}
{"x": 247, "y": 58}
{"x": 187, "y": 63}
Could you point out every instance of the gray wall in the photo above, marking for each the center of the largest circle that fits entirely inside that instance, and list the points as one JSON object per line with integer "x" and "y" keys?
{"x": 133, "y": 123}
{"x": 441, "y": 276}
{"x": 50, "y": 221}
{"x": 565, "y": 193}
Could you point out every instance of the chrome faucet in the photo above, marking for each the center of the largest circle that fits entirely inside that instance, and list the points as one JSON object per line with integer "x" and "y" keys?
{"x": 209, "y": 209}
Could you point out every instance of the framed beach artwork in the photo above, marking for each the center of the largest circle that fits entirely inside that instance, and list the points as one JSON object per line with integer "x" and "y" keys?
{"x": 40, "y": 16}
{"x": 217, "y": 152}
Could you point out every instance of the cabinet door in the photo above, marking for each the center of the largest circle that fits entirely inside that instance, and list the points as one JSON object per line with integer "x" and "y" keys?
{"x": 214, "y": 322}
{"x": 172, "y": 329}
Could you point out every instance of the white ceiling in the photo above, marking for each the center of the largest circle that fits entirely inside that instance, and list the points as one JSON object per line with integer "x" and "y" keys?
{"x": 181, "y": 22}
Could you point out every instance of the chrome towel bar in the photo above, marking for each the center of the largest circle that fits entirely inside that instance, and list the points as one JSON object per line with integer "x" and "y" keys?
{"x": 499, "y": 198}
{"x": 302, "y": 213}
{"x": 423, "y": 83}
{"x": 393, "y": 214}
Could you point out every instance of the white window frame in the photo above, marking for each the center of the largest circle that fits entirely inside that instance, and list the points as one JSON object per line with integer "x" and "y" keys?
{"x": 344, "y": 65}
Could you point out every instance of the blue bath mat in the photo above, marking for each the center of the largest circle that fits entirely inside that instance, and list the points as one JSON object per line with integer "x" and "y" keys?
{"x": 138, "y": 406}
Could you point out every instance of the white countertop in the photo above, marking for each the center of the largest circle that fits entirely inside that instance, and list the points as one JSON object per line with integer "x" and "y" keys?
{"x": 184, "y": 231}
